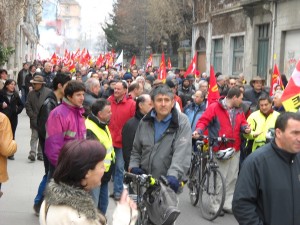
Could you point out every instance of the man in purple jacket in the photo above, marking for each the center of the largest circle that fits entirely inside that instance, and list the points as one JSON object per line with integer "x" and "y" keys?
{"x": 65, "y": 122}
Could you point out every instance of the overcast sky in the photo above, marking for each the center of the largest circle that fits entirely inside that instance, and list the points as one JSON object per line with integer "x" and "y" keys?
{"x": 93, "y": 13}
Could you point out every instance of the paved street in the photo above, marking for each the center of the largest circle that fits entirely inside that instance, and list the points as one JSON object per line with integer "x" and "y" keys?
{"x": 17, "y": 201}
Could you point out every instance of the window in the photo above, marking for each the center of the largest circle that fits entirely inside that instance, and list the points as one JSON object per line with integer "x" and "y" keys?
{"x": 263, "y": 49}
{"x": 218, "y": 51}
{"x": 238, "y": 55}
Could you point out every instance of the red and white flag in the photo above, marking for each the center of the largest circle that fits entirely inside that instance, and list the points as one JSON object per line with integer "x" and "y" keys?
{"x": 192, "y": 67}
{"x": 291, "y": 94}
{"x": 275, "y": 80}
{"x": 149, "y": 61}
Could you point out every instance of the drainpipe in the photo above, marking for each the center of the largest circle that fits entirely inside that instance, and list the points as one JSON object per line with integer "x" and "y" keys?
{"x": 274, "y": 15}
{"x": 209, "y": 40}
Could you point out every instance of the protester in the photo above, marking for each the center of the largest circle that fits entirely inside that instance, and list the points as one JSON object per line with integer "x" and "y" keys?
{"x": 11, "y": 105}
{"x": 79, "y": 169}
{"x": 267, "y": 189}
{"x": 195, "y": 109}
{"x": 35, "y": 100}
{"x": 29, "y": 77}
{"x": 185, "y": 92}
{"x": 143, "y": 106}
{"x": 92, "y": 86}
{"x": 97, "y": 129}
{"x": 163, "y": 143}
{"x": 65, "y": 122}
{"x": 48, "y": 75}
{"x": 3, "y": 77}
{"x": 51, "y": 101}
{"x": 252, "y": 95}
{"x": 8, "y": 147}
{"x": 260, "y": 122}
{"x": 123, "y": 109}
{"x": 21, "y": 81}
{"x": 225, "y": 117}
{"x": 277, "y": 102}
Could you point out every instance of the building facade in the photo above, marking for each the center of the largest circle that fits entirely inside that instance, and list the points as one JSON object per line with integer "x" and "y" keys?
{"x": 247, "y": 36}
{"x": 19, "y": 30}
{"x": 70, "y": 16}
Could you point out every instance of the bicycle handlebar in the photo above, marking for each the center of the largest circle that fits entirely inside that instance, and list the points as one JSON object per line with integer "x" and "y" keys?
{"x": 142, "y": 179}
{"x": 222, "y": 139}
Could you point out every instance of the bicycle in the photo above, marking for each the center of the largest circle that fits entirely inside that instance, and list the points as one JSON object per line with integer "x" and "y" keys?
{"x": 199, "y": 158}
{"x": 212, "y": 188}
{"x": 150, "y": 184}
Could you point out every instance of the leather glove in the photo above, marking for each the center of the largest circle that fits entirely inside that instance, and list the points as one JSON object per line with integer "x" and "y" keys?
{"x": 137, "y": 171}
{"x": 173, "y": 183}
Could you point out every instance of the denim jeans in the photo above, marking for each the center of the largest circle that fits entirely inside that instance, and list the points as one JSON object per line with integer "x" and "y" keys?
{"x": 23, "y": 95}
{"x": 100, "y": 197}
{"x": 40, "y": 195}
{"x": 118, "y": 173}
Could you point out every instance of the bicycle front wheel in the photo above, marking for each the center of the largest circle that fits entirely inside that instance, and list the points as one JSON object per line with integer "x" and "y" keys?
{"x": 212, "y": 194}
{"x": 193, "y": 185}
{"x": 143, "y": 218}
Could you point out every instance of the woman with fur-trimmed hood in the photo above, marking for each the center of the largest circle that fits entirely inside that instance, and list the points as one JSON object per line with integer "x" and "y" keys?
{"x": 67, "y": 199}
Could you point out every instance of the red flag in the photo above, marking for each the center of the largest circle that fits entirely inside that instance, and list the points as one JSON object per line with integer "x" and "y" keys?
{"x": 275, "y": 80}
{"x": 133, "y": 61}
{"x": 213, "y": 92}
{"x": 291, "y": 94}
{"x": 162, "y": 69}
{"x": 149, "y": 61}
{"x": 169, "y": 64}
{"x": 192, "y": 67}
{"x": 66, "y": 58}
{"x": 54, "y": 59}
{"x": 85, "y": 57}
{"x": 77, "y": 55}
{"x": 72, "y": 67}
{"x": 100, "y": 60}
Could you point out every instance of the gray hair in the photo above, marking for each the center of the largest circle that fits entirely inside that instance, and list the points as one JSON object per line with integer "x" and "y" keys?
{"x": 140, "y": 78}
{"x": 201, "y": 82}
{"x": 221, "y": 77}
{"x": 90, "y": 83}
{"x": 161, "y": 90}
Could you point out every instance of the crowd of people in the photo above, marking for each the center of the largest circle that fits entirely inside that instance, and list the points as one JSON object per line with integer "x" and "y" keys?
{"x": 91, "y": 126}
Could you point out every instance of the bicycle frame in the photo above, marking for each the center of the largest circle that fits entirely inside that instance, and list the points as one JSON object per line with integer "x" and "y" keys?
{"x": 141, "y": 181}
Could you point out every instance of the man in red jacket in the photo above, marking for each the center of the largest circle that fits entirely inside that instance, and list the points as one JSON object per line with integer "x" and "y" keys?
{"x": 122, "y": 109}
{"x": 226, "y": 118}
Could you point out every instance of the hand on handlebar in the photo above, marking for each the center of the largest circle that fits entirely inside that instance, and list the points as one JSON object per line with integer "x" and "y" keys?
{"x": 137, "y": 170}
{"x": 195, "y": 135}
{"x": 173, "y": 183}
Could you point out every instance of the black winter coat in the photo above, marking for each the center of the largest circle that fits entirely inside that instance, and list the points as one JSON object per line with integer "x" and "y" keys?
{"x": 14, "y": 107}
{"x": 49, "y": 104}
{"x": 252, "y": 96}
{"x": 128, "y": 133}
{"x": 268, "y": 188}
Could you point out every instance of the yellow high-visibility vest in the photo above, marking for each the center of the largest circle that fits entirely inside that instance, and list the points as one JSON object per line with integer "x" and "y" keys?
{"x": 104, "y": 138}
